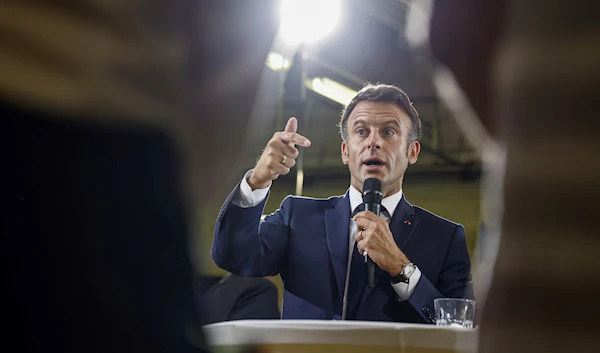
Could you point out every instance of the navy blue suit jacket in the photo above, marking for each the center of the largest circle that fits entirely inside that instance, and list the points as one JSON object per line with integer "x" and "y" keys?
{"x": 307, "y": 240}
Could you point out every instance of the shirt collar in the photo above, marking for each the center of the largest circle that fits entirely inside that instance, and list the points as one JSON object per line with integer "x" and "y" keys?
{"x": 390, "y": 202}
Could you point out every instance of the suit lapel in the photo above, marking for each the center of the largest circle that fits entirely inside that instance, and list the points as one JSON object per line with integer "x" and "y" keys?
{"x": 402, "y": 226}
{"x": 337, "y": 225}
{"x": 403, "y": 223}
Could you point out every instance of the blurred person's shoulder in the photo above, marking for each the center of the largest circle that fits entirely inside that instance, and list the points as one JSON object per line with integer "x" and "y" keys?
{"x": 98, "y": 65}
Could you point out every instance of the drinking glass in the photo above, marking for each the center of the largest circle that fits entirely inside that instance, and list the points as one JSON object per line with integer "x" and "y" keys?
{"x": 454, "y": 312}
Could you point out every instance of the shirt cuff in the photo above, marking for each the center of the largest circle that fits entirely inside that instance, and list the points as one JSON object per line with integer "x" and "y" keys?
{"x": 405, "y": 290}
{"x": 246, "y": 197}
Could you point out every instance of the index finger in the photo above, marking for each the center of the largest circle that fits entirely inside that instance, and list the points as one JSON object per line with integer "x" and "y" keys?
{"x": 292, "y": 125}
{"x": 295, "y": 138}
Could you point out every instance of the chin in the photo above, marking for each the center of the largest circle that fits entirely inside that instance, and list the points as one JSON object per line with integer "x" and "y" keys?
{"x": 375, "y": 174}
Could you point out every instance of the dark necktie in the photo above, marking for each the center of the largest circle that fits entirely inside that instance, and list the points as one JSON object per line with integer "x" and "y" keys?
{"x": 358, "y": 273}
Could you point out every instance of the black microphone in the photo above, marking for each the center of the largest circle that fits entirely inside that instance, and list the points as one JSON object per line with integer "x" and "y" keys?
{"x": 372, "y": 196}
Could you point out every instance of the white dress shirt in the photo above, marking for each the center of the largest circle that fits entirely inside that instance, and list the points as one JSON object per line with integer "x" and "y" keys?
{"x": 250, "y": 198}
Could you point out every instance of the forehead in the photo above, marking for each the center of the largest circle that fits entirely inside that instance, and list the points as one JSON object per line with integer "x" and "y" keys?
{"x": 376, "y": 112}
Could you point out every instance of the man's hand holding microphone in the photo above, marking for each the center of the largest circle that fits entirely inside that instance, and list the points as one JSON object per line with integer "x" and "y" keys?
{"x": 279, "y": 156}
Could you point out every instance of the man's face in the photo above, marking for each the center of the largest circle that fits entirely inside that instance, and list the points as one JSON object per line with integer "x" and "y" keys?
{"x": 377, "y": 145}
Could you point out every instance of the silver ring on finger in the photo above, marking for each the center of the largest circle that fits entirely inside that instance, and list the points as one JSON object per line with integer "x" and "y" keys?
{"x": 283, "y": 159}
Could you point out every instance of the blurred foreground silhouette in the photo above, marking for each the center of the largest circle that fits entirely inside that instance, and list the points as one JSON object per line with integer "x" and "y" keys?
{"x": 530, "y": 70}
{"x": 117, "y": 122}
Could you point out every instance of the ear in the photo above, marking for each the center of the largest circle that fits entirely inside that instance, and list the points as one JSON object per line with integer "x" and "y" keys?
{"x": 344, "y": 152}
{"x": 413, "y": 152}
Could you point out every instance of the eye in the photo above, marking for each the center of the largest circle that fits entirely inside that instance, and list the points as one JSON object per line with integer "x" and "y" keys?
{"x": 389, "y": 132}
{"x": 361, "y": 132}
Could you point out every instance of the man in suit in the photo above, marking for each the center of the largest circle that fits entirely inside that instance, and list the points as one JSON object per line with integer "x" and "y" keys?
{"x": 313, "y": 243}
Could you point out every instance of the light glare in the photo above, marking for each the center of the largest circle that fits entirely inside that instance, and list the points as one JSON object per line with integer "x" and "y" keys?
{"x": 277, "y": 62}
{"x": 331, "y": 89}
{"x": 307, "y": 21}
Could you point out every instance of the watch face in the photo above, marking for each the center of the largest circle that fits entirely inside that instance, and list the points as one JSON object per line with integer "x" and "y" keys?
{"x": 408, "y": 270}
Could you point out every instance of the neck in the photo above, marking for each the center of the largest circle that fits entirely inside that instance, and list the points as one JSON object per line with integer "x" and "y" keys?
{"x": 391, "y": 191}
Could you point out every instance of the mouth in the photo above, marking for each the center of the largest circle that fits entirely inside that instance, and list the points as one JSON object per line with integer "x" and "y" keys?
{"x": 373, "y": 164}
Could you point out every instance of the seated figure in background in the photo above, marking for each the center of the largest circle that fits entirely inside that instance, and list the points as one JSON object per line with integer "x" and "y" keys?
{"x": 239, "y": 298}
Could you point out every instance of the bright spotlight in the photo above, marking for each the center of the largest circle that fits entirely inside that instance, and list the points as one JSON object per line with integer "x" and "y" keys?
{"x": 307, "y": 21}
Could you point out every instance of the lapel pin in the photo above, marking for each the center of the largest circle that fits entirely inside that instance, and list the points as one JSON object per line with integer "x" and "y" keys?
{"x": 407, "y": 222}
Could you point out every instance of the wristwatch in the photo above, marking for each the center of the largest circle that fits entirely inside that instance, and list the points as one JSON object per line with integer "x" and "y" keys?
{"x": 404, "y": 275}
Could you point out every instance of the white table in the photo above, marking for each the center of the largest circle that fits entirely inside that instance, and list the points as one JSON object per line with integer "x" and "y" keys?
{"x": 343, "y": 336}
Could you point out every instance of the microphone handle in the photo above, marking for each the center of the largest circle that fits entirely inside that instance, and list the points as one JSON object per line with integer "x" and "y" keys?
{"x": 376, "y": 209}
{"x": 370, "y": 273}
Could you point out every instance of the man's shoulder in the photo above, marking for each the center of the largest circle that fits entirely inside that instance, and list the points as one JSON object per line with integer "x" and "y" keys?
{"x": 433, "y": 219}
{"x": 312, "y": 202}
{"x": 317, "y": 199}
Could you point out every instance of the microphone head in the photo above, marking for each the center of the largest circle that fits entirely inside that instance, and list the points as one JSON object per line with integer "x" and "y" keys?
{"x": 372, "y": 191}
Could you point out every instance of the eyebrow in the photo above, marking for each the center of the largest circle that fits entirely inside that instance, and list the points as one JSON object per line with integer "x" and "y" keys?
{"x": 358, "y": 122}
{"x": 389, "y": 122}
{"x": 392, "y": 122}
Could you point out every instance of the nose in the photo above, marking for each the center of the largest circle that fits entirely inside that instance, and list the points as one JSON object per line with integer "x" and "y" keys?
{"x": 374, "y": 141}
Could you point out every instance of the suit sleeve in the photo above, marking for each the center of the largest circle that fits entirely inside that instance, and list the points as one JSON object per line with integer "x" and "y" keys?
{"x": 454, "y": 280}
{"x": 245, "y": 246}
